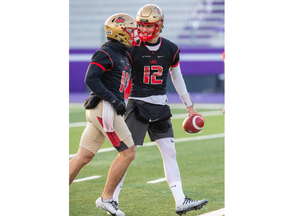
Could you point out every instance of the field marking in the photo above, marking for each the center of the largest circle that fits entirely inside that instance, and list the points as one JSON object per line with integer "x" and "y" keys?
{"x": 171, "y": 105}
{"x": 179, "y": 140}
{"x": 87, "y": 178}
{"x": 219, "y": 212}
{"x": 156, "y": 181}
{"x": 77, "y": 124}
{"x": 196, "y": 106}
{"x": 175, "y": 116}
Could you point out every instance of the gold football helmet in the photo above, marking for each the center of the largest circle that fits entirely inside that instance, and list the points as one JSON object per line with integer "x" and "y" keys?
{"x": 121, "y": 27}
{"x": 150, "y": 14}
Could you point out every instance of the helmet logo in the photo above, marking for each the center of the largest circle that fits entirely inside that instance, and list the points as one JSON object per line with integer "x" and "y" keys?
{"x": 120, "y": 20}
{"x": 159, "y": 11}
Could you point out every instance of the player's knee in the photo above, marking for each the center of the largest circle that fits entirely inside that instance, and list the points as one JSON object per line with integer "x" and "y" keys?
{"x": 132, "y": 153}
{"x": 129, "y": 153}
{"x": 87, "y": 159}
{"x": 83, "y": 160}
{"x": 84, "y": 157}
{"x": 171, "y": 154}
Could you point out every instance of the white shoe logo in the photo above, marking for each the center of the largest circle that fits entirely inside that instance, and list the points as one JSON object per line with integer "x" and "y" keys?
{"x": 160, "y": 56}
{"x": 150, "y": 120}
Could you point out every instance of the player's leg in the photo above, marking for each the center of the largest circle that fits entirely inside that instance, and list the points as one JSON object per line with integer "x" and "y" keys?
{"x": 138, "y": 130}
{"x": 117, "y": 171}
{"x": 82, "y": 157}
{"x": 91, "y": 141}
{"x": 171, "y": 169}
{"x": 118, "y": 189}
{"x": 121, "y": 139}
{"x": 166, "y": 145}
{"x": 165, "y": 142}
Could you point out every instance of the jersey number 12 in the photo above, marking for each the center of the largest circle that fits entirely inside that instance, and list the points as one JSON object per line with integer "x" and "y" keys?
{"x": 153, "y": 80}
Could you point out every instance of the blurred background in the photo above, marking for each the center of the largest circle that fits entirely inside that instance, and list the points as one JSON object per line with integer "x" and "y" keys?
{"x": 196, "y": 26}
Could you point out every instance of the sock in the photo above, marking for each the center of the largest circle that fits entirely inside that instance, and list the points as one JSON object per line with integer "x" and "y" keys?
{"x": 106, "y": 201}
{"x": 176, "y": 188}
{"x": 118, "y": 189}
{"x": 171, "y": 169}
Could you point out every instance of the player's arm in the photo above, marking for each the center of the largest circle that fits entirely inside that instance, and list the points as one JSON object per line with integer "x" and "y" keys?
{"x": 180, "y": 86}
{"x": 97, "y": 67}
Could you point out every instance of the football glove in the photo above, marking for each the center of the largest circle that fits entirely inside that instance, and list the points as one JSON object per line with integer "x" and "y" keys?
{"x": 119, "y": 106}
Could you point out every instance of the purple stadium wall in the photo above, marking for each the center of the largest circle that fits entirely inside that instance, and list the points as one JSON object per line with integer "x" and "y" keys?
{"x": 195, "y": 62}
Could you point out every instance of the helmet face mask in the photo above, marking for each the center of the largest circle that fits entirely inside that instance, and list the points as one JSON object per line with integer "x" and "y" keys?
{"x": 147, "y": 35}
{"x": 149, "y": 14}
{"x": 133, "y": 35}
{"x": 121, "y": 27}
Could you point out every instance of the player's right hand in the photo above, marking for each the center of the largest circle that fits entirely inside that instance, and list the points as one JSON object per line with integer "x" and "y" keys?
{"x": 119, "y": 106}
{"x": 191, "y": 111}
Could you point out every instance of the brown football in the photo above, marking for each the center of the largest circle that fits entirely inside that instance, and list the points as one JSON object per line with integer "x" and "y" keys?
{"x": 193, "y": 124}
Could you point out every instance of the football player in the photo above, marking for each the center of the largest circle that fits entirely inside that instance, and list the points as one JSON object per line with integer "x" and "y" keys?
{"x": 147, "y": 108}
{"x": 107, "y": 77}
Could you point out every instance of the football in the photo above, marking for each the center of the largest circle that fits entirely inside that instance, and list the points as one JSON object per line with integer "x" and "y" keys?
{"x": 193, "y": 124}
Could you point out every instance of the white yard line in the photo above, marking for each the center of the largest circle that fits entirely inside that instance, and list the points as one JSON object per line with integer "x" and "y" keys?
{"x": 175, "y": 116}
{"x": 205, "y": 113}
{"x": 172, "y": 105}
{"x": 218, "y": 212}
{"x": 87, "y": 178}
{"x": 179, "y": 140}
{"x": 156, "y": 181}
{"x": 196, "y": 106}
{"x": 77, "y": 124}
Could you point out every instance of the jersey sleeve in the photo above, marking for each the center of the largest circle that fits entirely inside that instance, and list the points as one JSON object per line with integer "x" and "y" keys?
{"x": 100, "y": 63}
{"x": 103, "y": 60}
{"x": 176, "y": 59}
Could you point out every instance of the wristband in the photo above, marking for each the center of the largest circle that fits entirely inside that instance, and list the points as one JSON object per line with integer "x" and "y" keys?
{"x": 187, "y": 100}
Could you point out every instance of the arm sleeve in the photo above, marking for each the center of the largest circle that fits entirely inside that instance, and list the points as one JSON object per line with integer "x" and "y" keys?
{"x": 94, "y": 74}
{"x": 180, "y": 86}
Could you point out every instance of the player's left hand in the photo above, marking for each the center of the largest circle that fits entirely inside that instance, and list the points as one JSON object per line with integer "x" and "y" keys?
{"x": 119, "y": 106}
{"x": 191, "y": 111}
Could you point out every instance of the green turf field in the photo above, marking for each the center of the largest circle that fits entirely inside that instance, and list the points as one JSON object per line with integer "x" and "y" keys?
{"x": 201, "y": 164}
